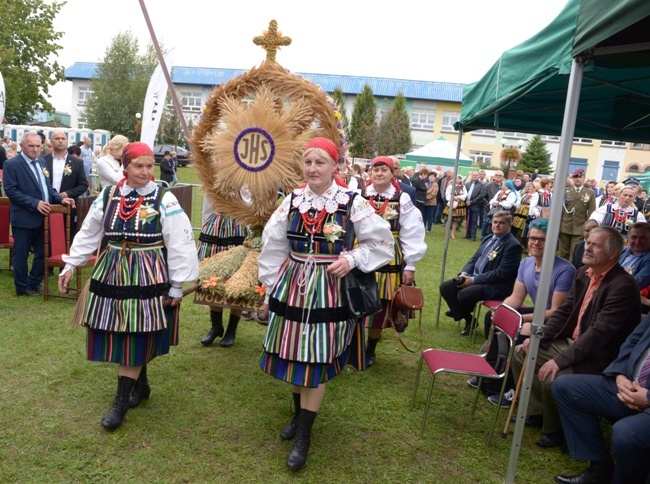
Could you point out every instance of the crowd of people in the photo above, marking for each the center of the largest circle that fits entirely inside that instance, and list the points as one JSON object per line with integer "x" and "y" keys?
{"x": 593, "y": 348}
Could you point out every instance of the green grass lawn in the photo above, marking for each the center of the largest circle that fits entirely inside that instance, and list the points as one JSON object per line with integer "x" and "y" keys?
{"x": 214, "y": 416}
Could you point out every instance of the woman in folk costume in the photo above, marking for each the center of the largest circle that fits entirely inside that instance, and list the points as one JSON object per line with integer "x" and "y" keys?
{"x": 621, "y": 214}
{"x": 459, "y": 211}
{"x": 526, "y": 210}
{"x": 311, "y": 334}
{"x": 545, "y": 195}
{"x": 608, "y": 196}
{"x": 150, "y": 253}
{"x": 396, "y": 207}
{"x": 218, "y": 233}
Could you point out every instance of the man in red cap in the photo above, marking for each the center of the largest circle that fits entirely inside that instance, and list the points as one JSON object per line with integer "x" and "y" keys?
{"x": 579, "y": 203}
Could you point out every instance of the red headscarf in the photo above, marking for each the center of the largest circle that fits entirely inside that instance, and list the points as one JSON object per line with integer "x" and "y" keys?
{"x": 384, "y": 160}
{"x": 325, "y": 145}
{"x": 131, "y": 152}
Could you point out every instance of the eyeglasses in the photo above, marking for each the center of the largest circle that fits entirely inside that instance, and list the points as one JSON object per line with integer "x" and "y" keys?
{"x": 537, "y": 240}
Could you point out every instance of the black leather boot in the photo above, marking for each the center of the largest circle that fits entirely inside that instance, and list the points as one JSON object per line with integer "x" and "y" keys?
{"x": 113, "y": 419}
{"x": 141, "y": 389}
{"x": 370, "y": 351}
{"x": 298, "y": 455}
{"x": 217, "y": 328}
{"x": 289, "y": 430}
{"x": 229, "y": 338}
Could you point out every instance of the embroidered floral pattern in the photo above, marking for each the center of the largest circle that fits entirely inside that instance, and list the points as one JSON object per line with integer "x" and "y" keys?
{"x": 147, "y": 213}
{"x": 332, "y": 231}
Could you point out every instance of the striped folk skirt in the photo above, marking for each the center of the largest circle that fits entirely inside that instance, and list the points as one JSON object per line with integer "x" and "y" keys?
{"x": 457, "y": 213}
{"x": 133, "y": 349}
{"x": 310, "y": 337}
{"x": 219, "y": 233}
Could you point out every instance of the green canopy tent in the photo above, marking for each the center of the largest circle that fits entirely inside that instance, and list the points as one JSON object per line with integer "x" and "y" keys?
{"x": 586, "y": 74}
{"x": 439, "y": 155}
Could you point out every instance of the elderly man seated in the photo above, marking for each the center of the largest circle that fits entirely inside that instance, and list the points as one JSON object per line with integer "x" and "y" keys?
{"x": 621, "y": 396}
{"x": 635, "y": 258}
{"x": 489, "y": 274}
{"x": 584, "y": 334}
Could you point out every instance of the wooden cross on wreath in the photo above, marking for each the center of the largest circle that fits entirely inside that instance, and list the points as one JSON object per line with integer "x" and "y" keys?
{"x": 271, "y": 40}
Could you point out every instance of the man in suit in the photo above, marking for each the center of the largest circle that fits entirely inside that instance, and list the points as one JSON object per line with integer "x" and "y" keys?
{"x": 66, "y": 173}
{"x": 489, "y": 274}
{"x": 406, "y": 188}
{"x": 579, "y": 204}
{"x": 584, "y": 334}
{"x": 476, "y": 196}
{"x": 26, "y": 183}
{"x": 166, "y": 168}
{"x": 491, "y": 189}
{"x": 621, "y": 396}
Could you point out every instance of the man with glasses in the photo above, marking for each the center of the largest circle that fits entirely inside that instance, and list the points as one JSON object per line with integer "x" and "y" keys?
{"x": 584, "y": 334}
{"x": 579, "y": 204}
{"x": 527, "y": 284}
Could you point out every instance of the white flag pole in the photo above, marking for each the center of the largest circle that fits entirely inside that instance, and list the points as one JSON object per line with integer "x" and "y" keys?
{"x": 3, "y": 100}
{"x": 161, "y": 59}
{"x": 154, "y": 102}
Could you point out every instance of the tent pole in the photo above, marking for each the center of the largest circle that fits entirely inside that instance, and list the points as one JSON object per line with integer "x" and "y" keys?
{"x": 448, "y": 224}
{"x": 557, "y": 206}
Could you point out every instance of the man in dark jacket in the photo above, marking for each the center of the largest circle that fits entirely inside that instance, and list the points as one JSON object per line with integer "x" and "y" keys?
{"x": 476, "y": 197}
{"x": 620, "y": 395}
{"x": 166, "y": 168}
{"x": 66, "y": 173}
{"x": 491, "y": 189}
{"x": 584, "y": 334}
{"x": 489, "y": 274}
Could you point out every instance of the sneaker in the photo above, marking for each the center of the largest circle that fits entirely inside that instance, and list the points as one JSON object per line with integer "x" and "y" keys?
{"x": 506, "y": 401}
{"x": 473, "y": 382}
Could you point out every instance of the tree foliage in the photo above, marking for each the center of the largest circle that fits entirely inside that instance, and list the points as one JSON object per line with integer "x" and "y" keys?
{"x": 339, "y": 100}
{"x": 394, "y": 135}
{"x": 28, "y": 46}
{"x": 363, "y": 128}
{"x": 120, "y": 86}
{"x": 536, "y": 156}
{"x": 170, "y": 131}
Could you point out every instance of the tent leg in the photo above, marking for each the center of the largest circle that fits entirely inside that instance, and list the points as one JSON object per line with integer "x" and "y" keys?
{"x": 562, "y": 169}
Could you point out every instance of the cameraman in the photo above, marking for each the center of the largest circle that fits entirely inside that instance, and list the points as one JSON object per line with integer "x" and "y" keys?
{"x": 489, "y": 274}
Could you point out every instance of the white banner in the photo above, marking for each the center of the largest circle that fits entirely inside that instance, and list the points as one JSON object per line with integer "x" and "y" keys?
{"x": 154, "y": 102}
{"x": 3, "y": 99}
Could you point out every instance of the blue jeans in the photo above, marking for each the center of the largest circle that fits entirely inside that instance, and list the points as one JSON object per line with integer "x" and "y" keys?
{"x": 438, "y": 216}
{"x": 430, "y": 212}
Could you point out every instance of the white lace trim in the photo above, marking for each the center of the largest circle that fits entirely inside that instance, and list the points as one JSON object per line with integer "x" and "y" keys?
{"x": 389, "y": 194}
{"x": 305, "y": 199}
{"x": 145, "y": 190}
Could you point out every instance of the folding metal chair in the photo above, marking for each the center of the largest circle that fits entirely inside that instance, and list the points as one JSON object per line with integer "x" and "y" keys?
{"x": 506, "y": 320}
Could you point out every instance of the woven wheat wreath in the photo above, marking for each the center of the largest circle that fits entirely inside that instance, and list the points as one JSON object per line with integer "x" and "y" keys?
{"x": 254, "y": 148}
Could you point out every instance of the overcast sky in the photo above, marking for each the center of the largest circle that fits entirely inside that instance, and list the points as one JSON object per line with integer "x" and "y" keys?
{"x": 447, "y": 41}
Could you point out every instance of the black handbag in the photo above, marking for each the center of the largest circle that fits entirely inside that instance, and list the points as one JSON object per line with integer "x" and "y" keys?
{"x": 359, "y": 288}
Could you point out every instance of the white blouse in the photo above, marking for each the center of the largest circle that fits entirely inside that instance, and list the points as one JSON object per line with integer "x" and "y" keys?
{"x": 376, "y": 244}
{"x": 411, "y": 227}
{"x": 451, "y": 187}
{"x": 182, "y": 260}
{"x": 109, "y": 171}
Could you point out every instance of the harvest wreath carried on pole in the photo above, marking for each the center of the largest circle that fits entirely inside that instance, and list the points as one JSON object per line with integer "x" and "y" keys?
{"x": 248, "y": 156}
